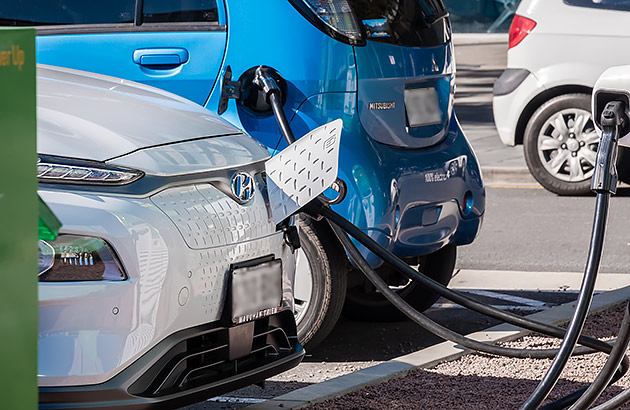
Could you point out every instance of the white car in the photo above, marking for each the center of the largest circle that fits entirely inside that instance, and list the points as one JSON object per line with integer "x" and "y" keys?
{"x": 558, "y": 49}
{"x": 169, "y": 281}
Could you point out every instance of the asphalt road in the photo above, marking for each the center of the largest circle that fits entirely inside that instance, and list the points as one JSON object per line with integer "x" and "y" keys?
{"x": 535, "y": 230}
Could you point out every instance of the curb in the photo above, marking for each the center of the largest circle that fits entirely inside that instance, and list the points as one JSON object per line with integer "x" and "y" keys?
{"x": 426, "y": 358}
{"x": 464, "y": 39}
{"x": 508, "y": 176}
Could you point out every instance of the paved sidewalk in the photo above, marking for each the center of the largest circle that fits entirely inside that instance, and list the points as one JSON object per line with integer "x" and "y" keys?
{"x": 480, "y": 61}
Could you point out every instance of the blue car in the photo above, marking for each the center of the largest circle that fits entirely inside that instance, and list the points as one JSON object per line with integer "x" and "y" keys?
{"x": 385, "y": 67}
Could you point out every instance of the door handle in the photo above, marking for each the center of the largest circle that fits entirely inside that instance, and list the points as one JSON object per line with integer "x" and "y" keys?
{"x": 160, "y": 58}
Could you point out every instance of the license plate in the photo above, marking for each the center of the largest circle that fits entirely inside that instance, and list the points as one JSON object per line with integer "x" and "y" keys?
{"x": 256, "y": 291}
{"x": 422, "y": 107}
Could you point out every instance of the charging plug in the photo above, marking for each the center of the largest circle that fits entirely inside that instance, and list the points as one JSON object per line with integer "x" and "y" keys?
{"x": 264, "y": 80}
{"x": 613, "y": 121}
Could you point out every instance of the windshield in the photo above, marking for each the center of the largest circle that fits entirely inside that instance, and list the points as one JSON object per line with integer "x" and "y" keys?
{"x": 411, "y": 23}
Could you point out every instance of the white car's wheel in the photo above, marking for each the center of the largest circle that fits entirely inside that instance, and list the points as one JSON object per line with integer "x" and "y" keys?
{"x": 320, "y": 282}
{"x": 560, "y": 144}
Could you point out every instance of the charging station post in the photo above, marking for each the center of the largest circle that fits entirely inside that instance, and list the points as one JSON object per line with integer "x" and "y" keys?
{"x": 18, "y": 220}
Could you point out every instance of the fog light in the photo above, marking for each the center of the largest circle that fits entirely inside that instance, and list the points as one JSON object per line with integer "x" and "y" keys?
{"x": 467, "y": 203}
{"x": 78, "y": 258}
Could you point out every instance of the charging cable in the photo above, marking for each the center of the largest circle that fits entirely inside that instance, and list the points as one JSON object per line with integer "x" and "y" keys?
{"x": 604, "y": 184}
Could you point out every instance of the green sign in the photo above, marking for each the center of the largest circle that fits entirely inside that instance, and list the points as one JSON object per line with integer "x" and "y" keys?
{"x": 18, "y": 220}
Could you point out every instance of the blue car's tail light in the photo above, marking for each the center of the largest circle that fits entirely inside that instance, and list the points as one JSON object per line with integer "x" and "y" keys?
{"x": 70, "y": 171}
{"x": 334, "y": 17}
{"x": 78, "y": 258}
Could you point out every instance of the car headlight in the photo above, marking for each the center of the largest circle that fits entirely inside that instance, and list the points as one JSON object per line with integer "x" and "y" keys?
{"x": 333, "y": 17}
{"x": 78, "y": 258}
{"x": 63, "y": 170}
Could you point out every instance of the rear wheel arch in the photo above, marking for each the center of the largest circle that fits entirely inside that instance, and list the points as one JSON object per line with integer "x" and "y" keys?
{"x": 539, "y": 100}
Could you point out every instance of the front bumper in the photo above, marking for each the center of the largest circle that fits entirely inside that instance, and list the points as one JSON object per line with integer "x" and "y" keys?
{"x": 177, "y": 247}
{"x": 189, "y": 366}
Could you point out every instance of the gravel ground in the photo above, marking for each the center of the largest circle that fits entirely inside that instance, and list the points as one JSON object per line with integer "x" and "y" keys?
{"x": 479, "y": 381}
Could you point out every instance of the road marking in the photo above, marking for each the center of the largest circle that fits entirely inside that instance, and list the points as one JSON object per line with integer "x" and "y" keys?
{"x": 516, "y": 186}
{"x": 499, "y": 280}
{"x": 524, "y": 304}
{"x": 236, "y": 400}
{"x": 509, "y": 298}
{"x": 502, "y": 307}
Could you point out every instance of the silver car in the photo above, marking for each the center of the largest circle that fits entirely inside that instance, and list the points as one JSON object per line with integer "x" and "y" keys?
{"x": 169, "y": 281}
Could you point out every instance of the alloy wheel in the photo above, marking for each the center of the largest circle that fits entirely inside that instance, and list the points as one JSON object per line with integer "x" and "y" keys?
{"x": 567, "y": 145}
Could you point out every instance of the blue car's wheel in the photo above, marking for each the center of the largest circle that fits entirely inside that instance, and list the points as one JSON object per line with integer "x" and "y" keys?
{"x": 364, "y": 302}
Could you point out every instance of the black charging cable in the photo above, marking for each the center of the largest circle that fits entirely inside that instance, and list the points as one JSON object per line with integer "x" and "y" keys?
{"x": 273, "y": 95}
{"x": 604, "y": 183}
{"x": 469, "y": 303}
{"x": 605, "y": 376}
{"x": 604, "y": 186}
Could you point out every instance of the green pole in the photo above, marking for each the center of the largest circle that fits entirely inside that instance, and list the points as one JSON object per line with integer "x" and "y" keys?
{"x": 18, "y": 220}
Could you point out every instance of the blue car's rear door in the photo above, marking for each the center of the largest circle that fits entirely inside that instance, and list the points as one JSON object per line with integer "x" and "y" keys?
{"x": 176, "y": 45}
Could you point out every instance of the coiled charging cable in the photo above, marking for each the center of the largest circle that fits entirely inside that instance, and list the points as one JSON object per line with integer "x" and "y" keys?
{"x": 604, "y": 184}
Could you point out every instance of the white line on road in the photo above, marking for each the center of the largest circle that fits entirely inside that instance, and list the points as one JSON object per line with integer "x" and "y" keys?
{"x": 536, "y": 281}
{"x": 509, "y": 298}
{"x": 502, "y": 307}
{"x": 524, "y": 304}
{"x": 236, "y": 400}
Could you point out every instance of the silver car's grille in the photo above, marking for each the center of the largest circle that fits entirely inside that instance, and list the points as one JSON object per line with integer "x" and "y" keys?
{"x": 209, "y": 282}
{"x": 207, "y": 218}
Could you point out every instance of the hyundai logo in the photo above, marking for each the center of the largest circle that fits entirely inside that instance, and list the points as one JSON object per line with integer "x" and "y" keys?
{"x": 242, "y": 186}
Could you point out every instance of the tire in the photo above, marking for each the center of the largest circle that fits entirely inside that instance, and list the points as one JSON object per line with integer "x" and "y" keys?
{"x": 560, "y": 144}
{"x": 365, "y": 303}
{"x": 321, "y": 278}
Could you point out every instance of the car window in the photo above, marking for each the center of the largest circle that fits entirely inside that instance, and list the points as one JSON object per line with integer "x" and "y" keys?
{"x": 412, "y": 23}
{"x": 71, "y": 12}
{"x": 623, "y": 5}
{"x": 173, "y": 11}
{"x": 47, "y": 12}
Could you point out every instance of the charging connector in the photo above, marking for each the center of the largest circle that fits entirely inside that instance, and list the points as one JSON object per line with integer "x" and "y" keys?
{"x": 273, "y": 95}
{"x": 613, "y": 120}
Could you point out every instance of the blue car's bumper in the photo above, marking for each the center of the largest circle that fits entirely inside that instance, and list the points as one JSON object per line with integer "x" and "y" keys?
{"x": 412, "y": 201}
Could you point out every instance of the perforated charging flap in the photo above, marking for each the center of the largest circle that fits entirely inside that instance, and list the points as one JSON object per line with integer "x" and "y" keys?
{"x": 303, "y": 170}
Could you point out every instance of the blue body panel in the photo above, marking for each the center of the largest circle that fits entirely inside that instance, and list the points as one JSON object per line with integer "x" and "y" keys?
{"x": 406, "y": 184}
{"x": 384, "y": 72}
{"x": 192, "y": 79}
{"x": 393, "y": 192}
{"x": 264, "y": 33}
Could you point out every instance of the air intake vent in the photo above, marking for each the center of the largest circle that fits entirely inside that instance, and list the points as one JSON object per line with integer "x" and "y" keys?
{"x": 204, "y": 358}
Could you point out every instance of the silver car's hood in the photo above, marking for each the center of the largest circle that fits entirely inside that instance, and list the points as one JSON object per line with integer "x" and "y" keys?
{"x": 89, "y": 116}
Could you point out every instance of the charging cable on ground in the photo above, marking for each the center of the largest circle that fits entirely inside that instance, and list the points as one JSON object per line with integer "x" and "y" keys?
{"x": 604, "y": 184}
